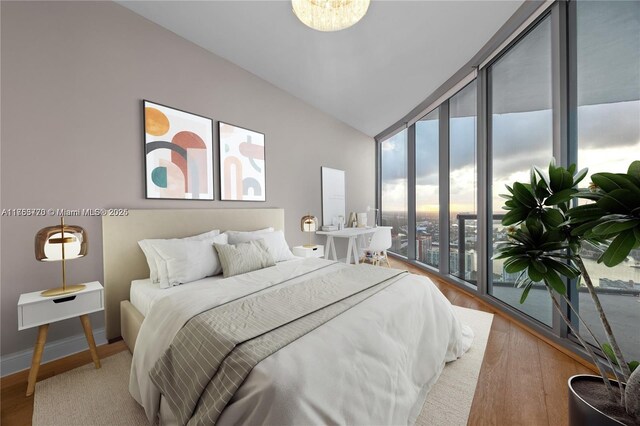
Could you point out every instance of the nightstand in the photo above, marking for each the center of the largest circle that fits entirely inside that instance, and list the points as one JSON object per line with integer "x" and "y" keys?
{"x": 302, "y": 251}
{"x": 35, "y": 310}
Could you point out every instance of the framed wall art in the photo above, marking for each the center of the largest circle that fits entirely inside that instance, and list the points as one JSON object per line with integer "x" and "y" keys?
{"x": 242, "y": 164}
{"x": 178, "y": 154}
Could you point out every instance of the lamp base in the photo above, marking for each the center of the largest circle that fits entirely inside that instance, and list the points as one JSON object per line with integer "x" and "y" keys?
{"x": 60, "y": 291}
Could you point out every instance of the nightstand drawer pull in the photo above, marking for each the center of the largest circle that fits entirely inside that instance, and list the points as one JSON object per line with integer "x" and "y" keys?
{"x": 64, "y": 299}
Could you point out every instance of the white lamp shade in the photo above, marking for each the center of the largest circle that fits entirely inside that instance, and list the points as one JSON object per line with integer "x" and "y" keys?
{"x": 309, "y": 223}
{"x": 53, "y": 252}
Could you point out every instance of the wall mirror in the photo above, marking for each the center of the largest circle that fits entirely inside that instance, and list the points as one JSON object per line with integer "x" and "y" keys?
{"x": 333, "y": 195}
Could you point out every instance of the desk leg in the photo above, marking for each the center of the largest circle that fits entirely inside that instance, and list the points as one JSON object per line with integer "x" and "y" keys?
{"x": 86, "y": 324}
{"x": 356, "y": 254}
{"x": 327, "y": 248}
{"x": 333, "y": 249}
{"x": 350, "y": 251}
{"x": 37, "y": 356}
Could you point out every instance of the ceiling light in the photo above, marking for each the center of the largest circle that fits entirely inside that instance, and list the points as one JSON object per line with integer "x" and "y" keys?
{"x": 330, "y": 15}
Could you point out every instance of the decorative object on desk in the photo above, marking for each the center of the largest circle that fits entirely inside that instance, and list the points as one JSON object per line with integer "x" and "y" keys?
{"x": 178, "y": 153}
{"x": 309, "y": 224}
{"x": 61, "y": 242}
{"x": 352, "y": 222}
{"x": 362, "y": 220}
{"x": 329, "y": 228}
{"x": 242, "y": 164}
{"x": 333, "y": 194}
{"x": 333, "y": 15}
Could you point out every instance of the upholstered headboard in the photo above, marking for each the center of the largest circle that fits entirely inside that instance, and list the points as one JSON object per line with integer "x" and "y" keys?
{"x": 125, "y": 262}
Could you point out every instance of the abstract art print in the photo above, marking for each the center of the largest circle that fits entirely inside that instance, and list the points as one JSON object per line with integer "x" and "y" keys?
{"x": 178, "y": 154}
{"x": 242, "y": 164}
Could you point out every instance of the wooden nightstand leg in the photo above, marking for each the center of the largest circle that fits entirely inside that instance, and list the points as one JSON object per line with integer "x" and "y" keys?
{"x": 37, "y": 356}
{"x": 86, "y": 324}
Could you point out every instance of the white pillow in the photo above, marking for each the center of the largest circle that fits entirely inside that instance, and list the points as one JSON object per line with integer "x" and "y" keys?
{"x": 274, "y": 240}
{"x": 153, "y": 259}
{"x": 236, "y": 237}
{"x": 188, "y": 260}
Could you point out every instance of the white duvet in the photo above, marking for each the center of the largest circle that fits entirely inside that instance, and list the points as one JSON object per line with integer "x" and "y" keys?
{"x": 371, "y": 365}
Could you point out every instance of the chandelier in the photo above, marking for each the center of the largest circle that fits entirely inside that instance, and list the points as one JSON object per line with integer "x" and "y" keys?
{"x": 330, "y": 15}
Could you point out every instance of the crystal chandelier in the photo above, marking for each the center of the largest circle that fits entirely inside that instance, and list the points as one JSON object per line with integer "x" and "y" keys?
{"x": 330, "y": 15}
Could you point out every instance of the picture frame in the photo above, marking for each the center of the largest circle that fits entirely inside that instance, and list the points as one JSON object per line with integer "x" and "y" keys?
{"x": 178, "y": 153}
{"x": 242, "y": 163}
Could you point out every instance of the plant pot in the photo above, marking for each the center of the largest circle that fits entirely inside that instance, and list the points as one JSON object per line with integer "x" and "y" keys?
{"x": 581, "y": 412}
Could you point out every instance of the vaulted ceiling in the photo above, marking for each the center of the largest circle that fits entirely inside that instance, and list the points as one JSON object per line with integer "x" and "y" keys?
{"x": 369, "y": 76}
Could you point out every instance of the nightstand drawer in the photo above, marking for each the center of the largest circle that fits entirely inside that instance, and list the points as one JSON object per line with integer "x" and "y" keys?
{"x": 314, "y": 251}
{"x": 50, "y": 310}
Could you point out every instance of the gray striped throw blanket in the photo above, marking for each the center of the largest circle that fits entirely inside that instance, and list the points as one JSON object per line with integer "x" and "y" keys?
{"x": 216, "y": 350}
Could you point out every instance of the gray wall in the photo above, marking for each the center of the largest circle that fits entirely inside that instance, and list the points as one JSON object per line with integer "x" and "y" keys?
{"x": 73, "y": 77}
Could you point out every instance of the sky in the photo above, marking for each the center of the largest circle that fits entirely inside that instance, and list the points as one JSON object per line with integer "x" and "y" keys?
{"x": 608, "y": 134}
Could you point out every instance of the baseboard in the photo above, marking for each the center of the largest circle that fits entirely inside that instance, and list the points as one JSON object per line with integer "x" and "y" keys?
{"x": 18, "y": 361}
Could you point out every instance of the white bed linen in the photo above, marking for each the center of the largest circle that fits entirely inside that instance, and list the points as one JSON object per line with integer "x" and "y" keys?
{"x": 144, "y": 293}
{"x": 373, "y": 364}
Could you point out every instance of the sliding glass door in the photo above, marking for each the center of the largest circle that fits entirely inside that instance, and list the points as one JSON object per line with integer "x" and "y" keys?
{"x": 463, "y": 188}
{"x": 521, "y": 136}
{"x": 427, "y": 190}
{"x": 393, "y": 161}
{"x": 608, "y": 130}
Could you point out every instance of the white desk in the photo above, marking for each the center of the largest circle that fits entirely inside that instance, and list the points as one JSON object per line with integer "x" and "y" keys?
{"x": 353, "y": 234}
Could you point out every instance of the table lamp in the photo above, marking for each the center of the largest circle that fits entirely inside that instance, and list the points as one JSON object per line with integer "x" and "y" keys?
{"x": 309, "y": 224}
{"x": 61, "y": 242}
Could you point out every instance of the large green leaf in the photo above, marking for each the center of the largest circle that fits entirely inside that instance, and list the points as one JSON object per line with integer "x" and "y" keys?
{"x": 619, "y": 248}
{"x": 525, "y": 292}
{"x": 564, "y": 269}
{"x": 616, "y": 201}
{"x": 543, "y": 176}
{"x": 524, "y": 195}
{"x": 516, "y": 264}
{"x": 554, "y": 281}
{"x": 577, "y": 178}
{"x": 560, "y": 197}
{"x": 552, "y": 218}
{"x": 556, "y": 178}
{"x": 634, "y": 169}
{"x": 534, "y": 275}
{"x": 515, "y": 216}
{"x": 606, "y": 181}
{"x": 614, "y": 227}
{"x": 633, "y": 365}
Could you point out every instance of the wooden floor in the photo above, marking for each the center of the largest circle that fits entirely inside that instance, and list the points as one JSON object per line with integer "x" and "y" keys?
{"x": 513, "y": 387}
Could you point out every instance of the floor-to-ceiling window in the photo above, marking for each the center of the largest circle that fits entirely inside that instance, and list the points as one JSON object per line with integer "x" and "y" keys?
{"x": 427, "y": 190}
{"x": 521, "y": 136}
{"x": 463, "y": 223}
{"x": 608, "y": 125}
{"x": 566, "y": 84}
{"x": 394, "y": 189}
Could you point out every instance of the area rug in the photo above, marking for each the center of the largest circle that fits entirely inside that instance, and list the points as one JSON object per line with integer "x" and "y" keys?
{"x": 86, "y": 396}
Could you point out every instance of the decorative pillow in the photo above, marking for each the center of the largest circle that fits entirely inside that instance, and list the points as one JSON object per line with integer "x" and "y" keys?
{"x": 236, "y": 237}
{"x": 153, "y": 259}
{"x": 243, "y": 257}
{"x": 274, "y": 240}
{"x": 188, "y": 260}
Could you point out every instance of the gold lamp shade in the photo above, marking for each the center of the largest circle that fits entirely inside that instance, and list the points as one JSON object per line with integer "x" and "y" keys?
{"x": 309, "y": 224}
{"x": 329, "y": 15}
{"x": 61, "y": 243}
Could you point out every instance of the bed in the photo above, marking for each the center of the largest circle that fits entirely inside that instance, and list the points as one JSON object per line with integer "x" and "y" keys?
{"x": 372, "y": 363}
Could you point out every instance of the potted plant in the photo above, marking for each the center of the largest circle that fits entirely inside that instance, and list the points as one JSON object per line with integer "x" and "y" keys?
{"x": 545, "y": 238}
